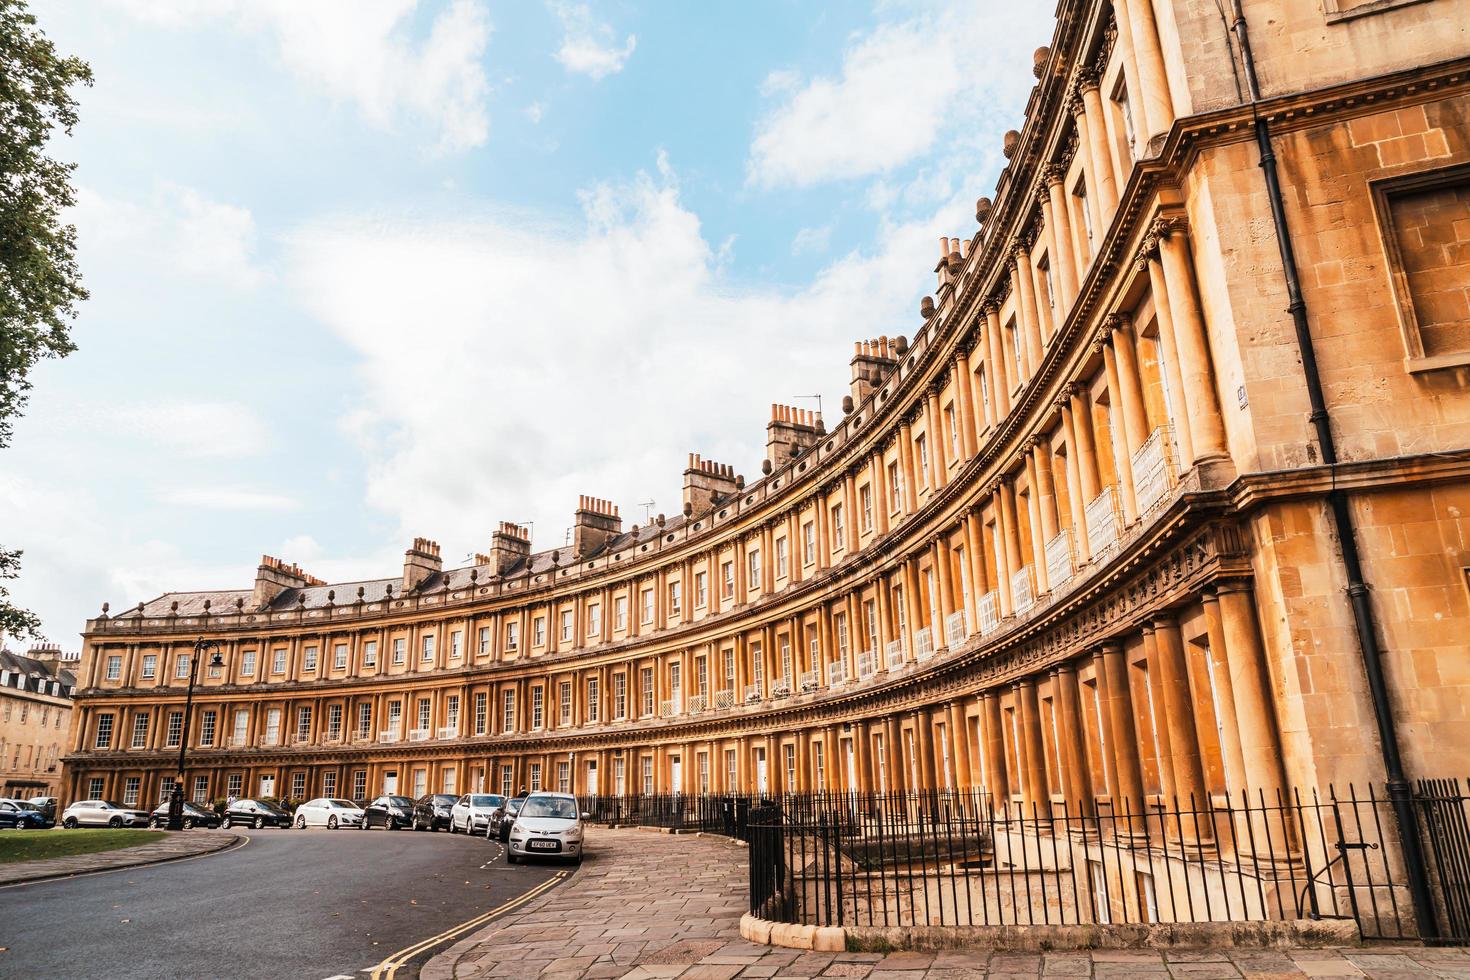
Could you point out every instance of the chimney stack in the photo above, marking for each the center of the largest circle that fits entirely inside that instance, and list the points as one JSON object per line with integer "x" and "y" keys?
{"x": 705, "y": 479}
{"x": 419, "y": 562}
{"x": 791, "y": 429}
{"x": 595, "y": 523}
{"x": 872, "y": 360}
{"x": 274, "y": 576}
{"x": 508, "y": 546}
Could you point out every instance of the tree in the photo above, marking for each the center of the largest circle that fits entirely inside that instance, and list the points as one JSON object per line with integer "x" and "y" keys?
{"x": 39, "y": 282}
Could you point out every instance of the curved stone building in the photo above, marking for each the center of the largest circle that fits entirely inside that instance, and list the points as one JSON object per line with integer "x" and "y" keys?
{"x": 1073, "y": 540}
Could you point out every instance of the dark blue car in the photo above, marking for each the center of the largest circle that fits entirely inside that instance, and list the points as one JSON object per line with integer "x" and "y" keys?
{"x": 22, "y": 816}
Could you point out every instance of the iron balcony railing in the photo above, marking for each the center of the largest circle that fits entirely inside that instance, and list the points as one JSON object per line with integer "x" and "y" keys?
{"x": 893, "y": 655}
{"x": 989, "y": 613}
{"x": 1154, "y": 468}
{"x": 1103, "y": 522}
{"x": 924, "y": 644}
{"x": 837, "y": 673}
{"x": 1059, "y": 559}
{"x": 1023, "y": 591}
{"x": 956, "y": 630}
{"x": 867, "y": 664}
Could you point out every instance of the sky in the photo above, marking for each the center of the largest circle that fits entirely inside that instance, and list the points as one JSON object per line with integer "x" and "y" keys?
{"x": 368, "y": 270}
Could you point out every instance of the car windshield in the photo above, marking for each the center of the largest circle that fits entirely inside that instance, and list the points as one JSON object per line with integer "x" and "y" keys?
{"x": 550, "y": 806}
{"x": 486, "y": 800}
{"x": 442, "y": 798}
{"x": 514, "y": 806}
{"x": 399, "y": 801}
{"x": 343, "y": 804}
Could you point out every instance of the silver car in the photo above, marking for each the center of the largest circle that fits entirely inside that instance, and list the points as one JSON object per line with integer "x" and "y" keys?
{"x": 328, "y": 813}
{"x": 102, "y": 813}
{"x": 548, "y": 825}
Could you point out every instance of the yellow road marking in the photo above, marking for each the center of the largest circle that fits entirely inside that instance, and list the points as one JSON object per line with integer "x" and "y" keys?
{"x": 401, "y": 958}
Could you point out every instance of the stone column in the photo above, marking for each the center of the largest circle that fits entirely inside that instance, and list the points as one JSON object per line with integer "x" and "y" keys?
{"x": 1086, "y": 453}
{"x": 1123, "y": 739}
{"x": 1076, "y": 774}
{"x": 850, "y": 508}
{"x": 1014, "y": 561}
{"x": 1173, "y": 377}
{"x": 1058, "y": 218}
{"x": 1038, "y": 538}
{"x": 1075, "y": 502}
{"x": 1189, "y": 780}
{"x": 994, "y": 749}
{"x": 1029, "y": 320}
{"x": 928, "y": 763}
{"x": 1207, "y": 428}
{"x": 881, "y": 494}
{"x": 906, "y": 464}
{"x": 964, "y": 407}
{"x": 1246, "y": 662}
{"x": 1000, "y": 363}
{"x": 1033, "y": 755}
{"x": 1223, "y": 690}
{"x": 1092, "y": 133}
{"x": 938, "y": 444}
{"x": 1003, "y": 556}
{"x": 913, "y": 612}
{"x": 1154, "y": 101}
{"x": 1122, "y": 453}
{"x": 943, "y": 570}
{"x": 959, "y": 745}
{"x": 897, "y": 772}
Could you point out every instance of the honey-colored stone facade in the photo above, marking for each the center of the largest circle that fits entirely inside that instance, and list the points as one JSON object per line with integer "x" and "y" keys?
{"x": 1069, "y": 542}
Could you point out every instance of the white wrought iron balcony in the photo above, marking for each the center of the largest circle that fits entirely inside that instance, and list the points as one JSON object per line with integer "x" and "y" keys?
{"x": 989, "y": 612}
{"x": 389, "y": 735}
{"x": 893, "y": 655}
{"x": 332, "y": 738}
{"x": 781, "y": 688}
{"x": 238, "y": 741}
{"x": 1059, "y": 558}
{"x": 698, "y": 704}
{"x": 1102, "y": 522}
{"x": 1023, "y": 592}
{"x": 724, "y": 698}
{"x": 1154, "y": 468}
{"x": 924, "y": 644}
{"x": 837, "y": 673}
{"x": 449, "y": 731}
{"x": 752, "y": 693}
{"x": 668, "y": 709}
{"x": 300, "y": 739}
{"x": 808, "y": 680}
{"x": 956, "y": 630}
{"x": 269, "y": 741}
{"x": 867, "y": 664}
{"x": 418, "y": 735}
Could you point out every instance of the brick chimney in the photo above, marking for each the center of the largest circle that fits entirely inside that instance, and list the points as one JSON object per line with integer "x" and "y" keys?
{"x": 872, "y": 361}
{"x": 274, "y": 576}
{"x": 419, "y": 562}
{"x": 791, "y": 428}
{"x": 508, "y": 546}
{"x": 702, "y": 478}
{"x": 594, "y": 524}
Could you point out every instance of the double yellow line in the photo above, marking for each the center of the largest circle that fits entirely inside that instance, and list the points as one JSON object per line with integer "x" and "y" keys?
{"x": 388, "y": 969}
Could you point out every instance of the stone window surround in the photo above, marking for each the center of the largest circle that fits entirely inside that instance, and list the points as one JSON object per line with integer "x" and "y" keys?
{"x": 1383, "y": 192}
{"x": 1337, "y": 11}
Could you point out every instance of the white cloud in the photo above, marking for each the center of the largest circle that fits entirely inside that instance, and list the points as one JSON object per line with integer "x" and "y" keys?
{"x": 589, "y": 46}
{"x": 811, "y": 240}
{"x": 176, "y": 228}
{"x": 227, "y": 498}
{"x": 365, "y": 52}
{"x": 903, "y": 88}
{"x": 190, "y": 428}
{"x": 534, "y": 111}
{"x": 515, "y": 363}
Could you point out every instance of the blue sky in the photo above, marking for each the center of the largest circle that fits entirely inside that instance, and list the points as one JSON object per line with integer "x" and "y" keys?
{"x": 364, "y": 271}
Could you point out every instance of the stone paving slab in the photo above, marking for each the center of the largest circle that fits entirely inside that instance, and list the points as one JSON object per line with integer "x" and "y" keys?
{"x": 168, "y": 847}
{"x": 659, "y": 907}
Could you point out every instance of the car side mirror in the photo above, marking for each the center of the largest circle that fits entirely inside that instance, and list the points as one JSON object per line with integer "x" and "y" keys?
{"x": 586, "y": 815}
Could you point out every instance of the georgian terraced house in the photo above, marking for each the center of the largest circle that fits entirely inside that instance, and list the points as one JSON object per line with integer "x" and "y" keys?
{"x": 35, "y": 719}
{"x": 1075, "y": 538}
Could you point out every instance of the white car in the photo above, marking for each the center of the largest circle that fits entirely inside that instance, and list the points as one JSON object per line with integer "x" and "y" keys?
{"x": 328, "y": 813}
{"x": 102, "y": 813}
{"x": 547, "y": 826}
{"x": 471, "y": 812}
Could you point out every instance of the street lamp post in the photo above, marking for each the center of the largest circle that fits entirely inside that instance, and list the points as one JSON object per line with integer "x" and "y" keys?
{"x": 176, "y": 799}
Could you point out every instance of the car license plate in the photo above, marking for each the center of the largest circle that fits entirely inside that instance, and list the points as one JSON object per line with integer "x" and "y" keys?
{"x": 545, "y": 845}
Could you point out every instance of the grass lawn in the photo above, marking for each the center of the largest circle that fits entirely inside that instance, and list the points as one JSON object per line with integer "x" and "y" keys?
{"x": 36, "y": 845}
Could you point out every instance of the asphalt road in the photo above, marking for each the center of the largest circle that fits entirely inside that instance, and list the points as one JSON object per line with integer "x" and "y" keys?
{"x": 287, "y": 904}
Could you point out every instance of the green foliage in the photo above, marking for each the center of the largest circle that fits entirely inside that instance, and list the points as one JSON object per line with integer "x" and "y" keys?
{"x": 39, "y": 282}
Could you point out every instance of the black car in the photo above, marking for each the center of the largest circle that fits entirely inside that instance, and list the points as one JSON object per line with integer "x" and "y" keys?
{"x": 47, "y": 806}
{"x": 257, "y": 814}
{"x": 503, "y": 818}
{"x": 432, "y": 812}
{"x": 22, "y": 816}
{"x": 392, "y": 812}
{"x": 194, "y": 816}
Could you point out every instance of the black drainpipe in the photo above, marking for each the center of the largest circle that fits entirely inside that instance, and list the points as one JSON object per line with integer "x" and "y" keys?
{"x": 1399, "y": 793}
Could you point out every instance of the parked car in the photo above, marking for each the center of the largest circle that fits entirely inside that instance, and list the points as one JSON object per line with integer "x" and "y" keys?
{"x": 102, "y": 813}
{"x": 22, "y": 816}
{"x": 194, "y": 816}
{"x": 473, "y": 811}
{"x": 549, "y": 825}
{"x": 46, "y": 804}
{"x": 392, "y": 812}
{"x": 255, "y": 813}
{"x": 503, "y": 817}
{"x": 432, "y": 812}
{"x": 328, "y": 813}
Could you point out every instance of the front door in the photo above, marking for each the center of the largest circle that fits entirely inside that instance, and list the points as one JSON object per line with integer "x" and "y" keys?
{"x": 267, "y": 785}
{"x": 592, "y": 778}
{"x": 760, "y": 771}
{"x": 676, "y": 775}
{"x": 390, "y": 783}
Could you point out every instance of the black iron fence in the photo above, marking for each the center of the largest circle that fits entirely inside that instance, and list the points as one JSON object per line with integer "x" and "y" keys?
{"x": 967, "y": 859}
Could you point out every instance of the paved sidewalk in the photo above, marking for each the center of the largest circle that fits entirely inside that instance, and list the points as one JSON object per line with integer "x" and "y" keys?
{"x": 169, "y": 847}
{"x": 649, "y": 906}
